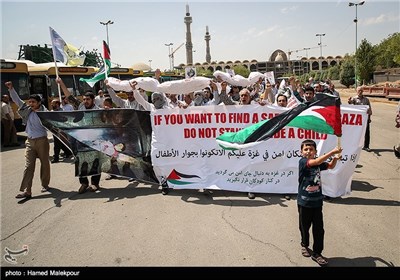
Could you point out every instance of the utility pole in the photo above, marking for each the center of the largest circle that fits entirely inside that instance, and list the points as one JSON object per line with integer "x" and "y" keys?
{"x": 169, "y": 54}
{"x": 355, "y": 54}
{"x": 320, "y": 47}
{"x": 106, "y": 24}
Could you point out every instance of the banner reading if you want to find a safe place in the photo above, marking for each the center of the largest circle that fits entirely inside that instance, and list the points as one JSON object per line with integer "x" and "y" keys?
{"x": 186, "y": 154}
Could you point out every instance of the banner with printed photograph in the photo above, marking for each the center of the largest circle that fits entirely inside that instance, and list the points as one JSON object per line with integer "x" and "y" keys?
{"x": 115, "y": 141}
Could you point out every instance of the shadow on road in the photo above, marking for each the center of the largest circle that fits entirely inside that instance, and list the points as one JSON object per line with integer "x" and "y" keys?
{"x": 228, "y": 198}
{"x": 363, "y": 186}
{"x": 358, "y": 262}
{"x": 112, "y": 194}
{"x": 219, "y": 197}
{"x": 379, "y": 151}
{"x": 365, "y": 201}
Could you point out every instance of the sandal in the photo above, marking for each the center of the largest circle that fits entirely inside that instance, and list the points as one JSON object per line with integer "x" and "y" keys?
{"x": 23, "y": 195}
{"x": 319, "y": 259}
{"x": 305, "y": 252}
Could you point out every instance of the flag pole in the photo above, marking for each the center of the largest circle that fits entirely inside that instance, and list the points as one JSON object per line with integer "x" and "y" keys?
{"x": 105, "y": 68}
{"x": 339, "y": 144}
{"x": 58, "y": 85}
{"x": 55, "y": 63}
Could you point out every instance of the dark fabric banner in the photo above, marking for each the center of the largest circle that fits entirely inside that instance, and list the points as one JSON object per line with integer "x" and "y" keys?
{"x": 114, "y": 141}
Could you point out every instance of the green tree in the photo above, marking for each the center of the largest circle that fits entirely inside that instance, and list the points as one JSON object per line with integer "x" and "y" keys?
{"x": 334, "y": 72}
{"x": 203, "y": 72}
{"x": 241, "y": 70}
{"x": 92, "y": 59}
{"x": 365, "y": 61}
{"x": 388, "y": 52}
{"x": 347, "y": 73}
{"x": 324, "y": 75}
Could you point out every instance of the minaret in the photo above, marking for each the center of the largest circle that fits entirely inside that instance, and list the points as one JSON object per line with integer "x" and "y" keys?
{"x": 189, "y": 45}
{"x": 207, "y": 38}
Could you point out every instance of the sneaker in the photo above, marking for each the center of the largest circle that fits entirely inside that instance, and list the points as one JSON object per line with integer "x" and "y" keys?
{"x": 251, "y": 195}
{"x": 45, "y": 189}
{"x": 82, "y": 188}
{"x": 131, "y": 180}
{"x": 54, "y": 160}
{"x": 94, "y": 188}
{"x": 164, "y": 191}
{"x": 24, "y": 195}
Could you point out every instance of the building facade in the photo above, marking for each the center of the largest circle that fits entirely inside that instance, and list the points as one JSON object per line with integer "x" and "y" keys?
{"x": 278, "y": 62}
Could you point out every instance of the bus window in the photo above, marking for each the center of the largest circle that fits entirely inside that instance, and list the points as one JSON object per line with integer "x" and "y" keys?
{"x": 125, "y": 73}
{"x": 43, "y": 77}
{"x": 75, "y": 86}
{"x": 38, "y": 86}
{"x": 17, "y": 73}
{"x": 171, "y": 76}
{"x": 122, "y": 74}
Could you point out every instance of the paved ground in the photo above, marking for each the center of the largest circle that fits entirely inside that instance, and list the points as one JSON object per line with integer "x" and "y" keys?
{"x": 131, "y": 224}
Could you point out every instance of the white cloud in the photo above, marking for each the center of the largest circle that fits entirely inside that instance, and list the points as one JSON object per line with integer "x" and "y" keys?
{"x": 287, "y": 10}
{"x": 379, "y": 19}
{"x": 251, "y": 31}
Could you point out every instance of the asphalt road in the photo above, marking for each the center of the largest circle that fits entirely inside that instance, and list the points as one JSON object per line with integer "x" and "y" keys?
{"x": 131, "y": 224}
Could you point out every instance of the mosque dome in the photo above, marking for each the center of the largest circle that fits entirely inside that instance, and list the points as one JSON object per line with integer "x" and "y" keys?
{"x": 141, "y": 66}
{"x": 279, "y": 57}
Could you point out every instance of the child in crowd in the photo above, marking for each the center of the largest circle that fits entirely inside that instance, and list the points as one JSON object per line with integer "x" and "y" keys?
{"x": 310, "y": 198}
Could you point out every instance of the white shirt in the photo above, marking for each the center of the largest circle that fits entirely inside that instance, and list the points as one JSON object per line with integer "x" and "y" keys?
{"x": 99, "y": 100}
{"x": 6, "y": 109}
{"x": 67, "y": 107}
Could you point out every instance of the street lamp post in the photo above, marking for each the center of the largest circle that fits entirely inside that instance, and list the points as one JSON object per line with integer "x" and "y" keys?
{"x": 355, "y": 54}
{"x": 320, "y": 49}
{"x": 306, "y": 49}
{"x": 169, "y": 54}
{"x": 308, "y": 63}
{"x": 150, "y": 63}
{"x": 106, "y": 24}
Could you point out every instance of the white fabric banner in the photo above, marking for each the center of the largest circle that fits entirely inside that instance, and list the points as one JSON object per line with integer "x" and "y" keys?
{"x": 186, "y": 154}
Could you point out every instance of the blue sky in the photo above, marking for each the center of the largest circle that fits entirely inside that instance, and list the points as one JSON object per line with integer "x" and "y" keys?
{"x": 239, "y": 30}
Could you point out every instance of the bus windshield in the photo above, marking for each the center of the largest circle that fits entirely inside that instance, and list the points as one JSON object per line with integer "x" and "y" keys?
{"x": 43, "y": 80}
{"x": 72, "y": 82}
{"x": 17, "y": 73}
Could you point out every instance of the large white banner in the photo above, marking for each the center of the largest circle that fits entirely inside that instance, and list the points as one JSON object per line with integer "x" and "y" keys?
{"x": 185, "y": 153}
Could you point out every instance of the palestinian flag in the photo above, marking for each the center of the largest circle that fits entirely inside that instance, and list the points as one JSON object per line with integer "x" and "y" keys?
{"x": 104, "y": 71}
{"x": 322, "y": 115}
{"x": 178, "y": 178}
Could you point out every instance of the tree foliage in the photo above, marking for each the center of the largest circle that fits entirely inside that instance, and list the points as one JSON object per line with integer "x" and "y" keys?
{"x": 92, "y": 59}
{"x": 388, "y": 52}
{"x": 365, "y": 61}
{"x": 334, "y": 72}
{"x": 203, "y": 72}
{"x": 347, "y": 73}
{"x": 241, "y": 70}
